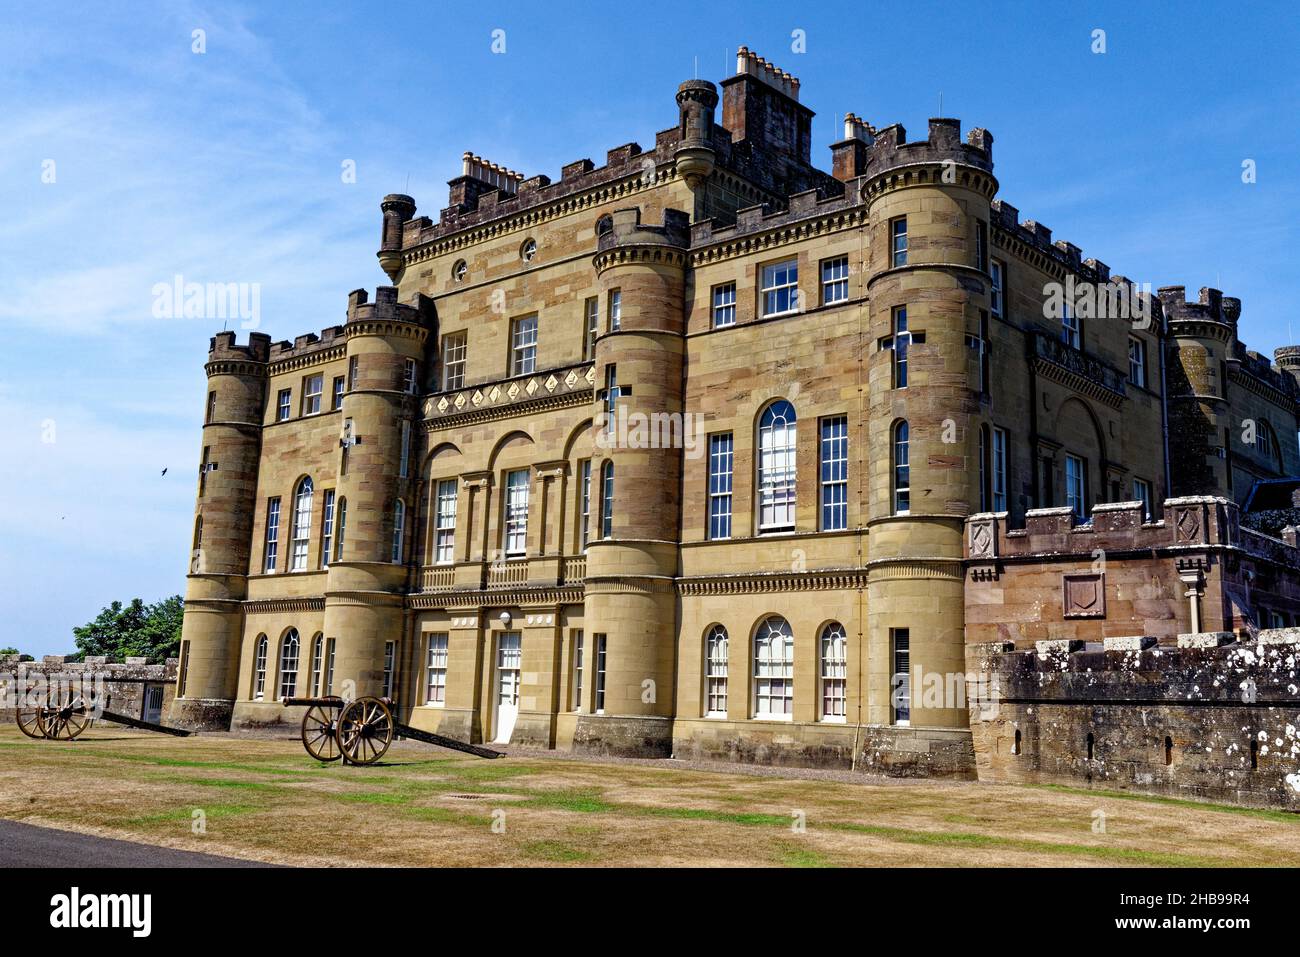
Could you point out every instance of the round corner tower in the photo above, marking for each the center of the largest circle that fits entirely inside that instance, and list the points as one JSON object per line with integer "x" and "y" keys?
{"x": 366, "y": 581}
{"x": 217, "y": 583}
{"x": 630, "y": 600}
{"x": 929, "y": 213}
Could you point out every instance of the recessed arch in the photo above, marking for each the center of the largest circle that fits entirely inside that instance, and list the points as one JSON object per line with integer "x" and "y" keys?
{"x": 511, "y": 440}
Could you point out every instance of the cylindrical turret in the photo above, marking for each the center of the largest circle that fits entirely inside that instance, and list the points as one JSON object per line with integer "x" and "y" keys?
{"x": 696, "y": 100}
{"x": 397, "y": 208}
{"x": 222, "y": 533}
{"x": 929, "y": 216}
{"x": 363, "y": 593}
{"x": 630, "y": 601}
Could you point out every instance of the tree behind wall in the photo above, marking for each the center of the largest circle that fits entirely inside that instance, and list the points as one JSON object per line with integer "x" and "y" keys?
{"x": 135, "y": 630}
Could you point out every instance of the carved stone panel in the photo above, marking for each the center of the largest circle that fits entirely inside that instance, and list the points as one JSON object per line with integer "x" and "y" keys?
{"x": 1083, "y": 596}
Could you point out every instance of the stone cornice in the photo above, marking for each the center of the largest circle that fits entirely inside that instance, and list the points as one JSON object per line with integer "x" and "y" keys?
{"x": 240, "y": 367}
{"x": 1264, "y": 390}
{"x": 930, "y": 174}
{"x": 272, "y": 606}
{"x": 639, "y": 254}
{"x": 497, "y": 597}
{"x": 319, "y": 357}
{"x": 784, "y": 234}
{"x": 399, "y": 328}
{"x": 554, "y": 389}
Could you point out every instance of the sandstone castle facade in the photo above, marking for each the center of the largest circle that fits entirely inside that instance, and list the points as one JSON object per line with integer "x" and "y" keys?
{"x": 695, "y": 451}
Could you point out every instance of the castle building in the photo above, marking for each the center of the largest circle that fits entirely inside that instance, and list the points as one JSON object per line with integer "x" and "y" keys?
{"x": 690, "y": 452}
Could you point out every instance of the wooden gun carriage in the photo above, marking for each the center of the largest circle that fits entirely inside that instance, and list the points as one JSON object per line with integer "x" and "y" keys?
{"x": 64, "y": 714}
{"x": 360, "y": 731}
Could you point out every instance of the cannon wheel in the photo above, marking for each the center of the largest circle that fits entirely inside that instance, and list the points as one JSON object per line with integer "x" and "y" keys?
{"x": 365, "y": 731}
{"x": 29, "y": 721}
{"x": 320, "y": 731}
{"x": 65, "y": 716}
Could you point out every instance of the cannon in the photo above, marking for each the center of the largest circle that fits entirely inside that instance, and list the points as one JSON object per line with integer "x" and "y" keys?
{"x": 64, "y": 714}
{"x": 360, "y": 731}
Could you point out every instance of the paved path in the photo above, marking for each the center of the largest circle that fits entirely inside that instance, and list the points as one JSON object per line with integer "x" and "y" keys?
{"x": 26, "y": 845}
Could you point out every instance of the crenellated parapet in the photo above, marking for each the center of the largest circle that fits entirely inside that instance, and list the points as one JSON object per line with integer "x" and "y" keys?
{"x": 630, "y": 240}
{"x": 890, "y": 149}
{"x": 1213, "y": 316}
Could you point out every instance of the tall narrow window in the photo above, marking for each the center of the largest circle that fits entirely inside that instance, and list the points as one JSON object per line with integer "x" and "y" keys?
{"x": 272, "y": 535}
{"x": 259, "y": 669}
{"x": 444, "y": 546}
{"x": 774, "y": 670}
{"x": 282, "y": 405}
{"x": 835, "y": 280}
{"x": 523, "y": 346}
{"x": 715, "y": 673}
{"x": 997, "y": 295}
{"x": 591, "y": 314}
{"x": 981, "y": 245}
{"x": 1137, "y": 362}
{"x": 776, "y": 468}
{"x": 720, "y": 481}
{"x": 577, "y": 671}
{"x": 352, "y": 373}
{"x": 1075, "y": 487}
{"x": 183, "y": 669}
{"x": 328, "y": 687}
{"x": 1142, "y": 493}
{"x": 835, "y": 473}
{"x": 898, "y": 241}
{"x": 517, "y": 513}
{"x": 399, "y": 529}
{"x": 781, "y": 288}
{"x": 607, "y": 499}
{"x": 212, "y": 407}
{"x": 999, "y": 470}
{"x": 901, "y": 695}
{"x": 203, "y": 469}
{"x": 600, "y": 674}
{"x": 981, "y": 345}
{"x": 404, "y": 466}
{"x": 611, "y": 390}
{"x": 327, "y": 530}
{"x": 1071, "y": 334}
{"x": 337, "y": 402}
{"x": 586, "y": 502}
{"x": 390, "y": 667}
{"x": 342, "y": 527}
{"x": 615, "y": 310}
{"x": 409, "y": 378}
{"x": 834, "y": 672}
{"x": 902, "y": 469}
{"x": 289, "y": 664}
{"x": 435, "y": 682}
{"x": 302, "y": 500}
{"x": 312, "y": 387}
{"x": 196, "y": 552}
{"x": 985, "y": 468}
{"x": 900, "y": 341}
{"x": 317, "y": 664}
{"x": 724, "y": 305}
{"x": 453, "y": 361}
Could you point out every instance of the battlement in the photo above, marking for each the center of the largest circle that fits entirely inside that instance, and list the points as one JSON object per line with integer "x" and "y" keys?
{"x": 384, "y": 308}
{"x": 626, "y": 229}
{"x": 809, "y": 204}
{"x": 223, "y": 346}
{"x": 1212, "y": 306}
{"x": 308, "y": 343}
{"x": 889, "y": 147}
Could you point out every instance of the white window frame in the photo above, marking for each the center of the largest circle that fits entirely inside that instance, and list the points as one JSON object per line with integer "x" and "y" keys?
{"x": 898, "y": 242}
{"x": 781, "y": 288}
{"x": 1137, "y": 362}
{"x": 317, "y": 663}
{"x": 997, "y": 295}
{"x": 410, "y": 380}
{"x": 300, "y": 536}
{"x": 615, "y": 310}
{"x": 606, "y": 499}
{"x": 1076, "y": 487}
{"x": 453, "y": 360}
{"x": 715, "y": 672}
{"x": 271, "y": 552}
{"x": 835, "y": 280}
{"x": 435, "y": 669}
{"x": 390, "y": 668}
{"x": 404, "y": 466}
{"x": 773, "y": 670}
{"x": 313, "y": 388}
{"x": 833, "y": 672}
{"x": 585, "y": 505}
{"x": 833, "y": 474}
{"x": 723, "y": 310}
{"x": 1071, "y": 331}
{"x": 601, "y": 651}
{"x": 515, "y": 531}
{"x": 591, "y": 312}
{"x": 901, "y": 467}
{"x": 777, "y": 467}
{"x": 722, "y": 462}
{"x": 340, "y": 386}
{"x": 577, "y": 670}
{"x": 444, "y": 534}
{"x": 523, "y": 345}
{"x": 290, "y": 648}
{"x": 399, "y": 530}
{"x": 283, "y": 405}
{"x": 999, "y": 457}
{"x": 1142, "y": 492}
{"x": 259, "y": 667}
{"x": 900, "y": 341}
{"x": 900, "y": 693}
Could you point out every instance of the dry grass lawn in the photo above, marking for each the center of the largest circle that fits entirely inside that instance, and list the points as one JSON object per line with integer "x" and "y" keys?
{"x": 267, "y": 800}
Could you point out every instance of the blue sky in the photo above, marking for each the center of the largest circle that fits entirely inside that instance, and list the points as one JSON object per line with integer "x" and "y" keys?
{"x": 226, "y": 166}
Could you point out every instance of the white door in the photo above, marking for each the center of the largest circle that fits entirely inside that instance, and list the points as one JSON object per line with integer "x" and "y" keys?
{"x": 153, "y": 698}
{"x": 507, "y": 687}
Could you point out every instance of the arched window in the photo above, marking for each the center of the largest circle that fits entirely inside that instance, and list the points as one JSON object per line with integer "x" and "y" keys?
{"x": 399, "y": 526}
{"x": 317, "y": 662}
{"x": 776, "y": 468}
{"x": 1169, "y": 750}
{"x": 715, "y": 672}
{"x": 289, "y": 663}
{"x": 902, "y": 471}
{"x": 259, "y": 669}
{"x": 1091, "y": 742}
{"x": 1015, "y": 745}
{"x": 774, "y": 670}
{"x": 301, "y": 525}
{"x": 834, "y": 671}
{"x": 607, "y": 499}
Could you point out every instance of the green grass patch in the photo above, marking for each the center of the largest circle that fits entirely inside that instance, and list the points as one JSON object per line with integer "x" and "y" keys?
{"x": 373, "y": 797}
{"x": 555, "y": 851}
{"x": 211, "y": 812}
{"x": 581, "y": 802}
{"x": 228, "y": 783}
{"x": 802, "y": 857}
{"x": 442, "y": 815}
{"x": 1290, "y": 817}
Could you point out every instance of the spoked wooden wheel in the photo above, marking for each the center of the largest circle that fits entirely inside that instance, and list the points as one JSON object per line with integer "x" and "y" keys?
{"x": 65, "y": 716}
{"x": 320, "y": 731}
{"x": 365, "y": 731}
{"x": 29, "y": 720}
